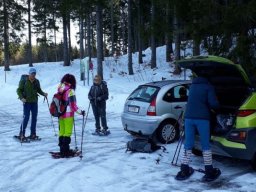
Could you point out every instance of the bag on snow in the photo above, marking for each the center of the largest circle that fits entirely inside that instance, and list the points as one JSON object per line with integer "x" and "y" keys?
{"x": 58, "y": 105}
{"x": 142, "y": 145}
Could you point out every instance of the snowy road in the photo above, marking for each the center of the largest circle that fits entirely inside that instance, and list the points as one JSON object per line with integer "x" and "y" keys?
{"x": 105, "y": 166}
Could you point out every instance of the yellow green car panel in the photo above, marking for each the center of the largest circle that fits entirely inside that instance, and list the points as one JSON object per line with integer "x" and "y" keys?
{"x": 250, "y": 120}
{"x": 227, "y": 143}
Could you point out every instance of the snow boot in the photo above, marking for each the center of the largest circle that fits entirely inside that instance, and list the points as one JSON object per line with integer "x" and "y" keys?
{"x": 33, "y": 137}
{"x": 97, "y": 132}
{"x": 65, "y": 147}
{"x": 184, "y": 173}
{"x": 211, "y": 173}
{"x": 105, "y": 131}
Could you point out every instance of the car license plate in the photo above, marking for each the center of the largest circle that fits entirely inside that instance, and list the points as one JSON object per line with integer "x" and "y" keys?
{"x": 133, "y": 109}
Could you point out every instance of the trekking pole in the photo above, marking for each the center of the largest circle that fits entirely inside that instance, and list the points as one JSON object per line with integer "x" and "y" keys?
{"x": 76, "y": 148}
{"x": 168, "y": 139}
{"x": 55, "y": 134}
{"x": 84, "y": 123}
{"x": 22, "y": 126}
{"x": 177, "y": 150}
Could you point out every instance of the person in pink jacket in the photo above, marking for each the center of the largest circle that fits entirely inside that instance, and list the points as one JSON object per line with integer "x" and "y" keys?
{"x": 66, "y": 121}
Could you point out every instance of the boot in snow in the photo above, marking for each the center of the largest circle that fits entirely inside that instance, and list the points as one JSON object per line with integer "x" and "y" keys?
{"x": 184, "y": 173}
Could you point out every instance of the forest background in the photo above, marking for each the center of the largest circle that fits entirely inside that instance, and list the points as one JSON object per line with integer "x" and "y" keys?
{"x": 115, "y": 27}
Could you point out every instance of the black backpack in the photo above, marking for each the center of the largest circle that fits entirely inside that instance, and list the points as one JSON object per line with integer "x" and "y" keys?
{"x": 143, "y": 145}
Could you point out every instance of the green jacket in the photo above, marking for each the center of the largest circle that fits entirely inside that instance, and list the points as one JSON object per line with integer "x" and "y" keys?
{"x": 29, "y": 90}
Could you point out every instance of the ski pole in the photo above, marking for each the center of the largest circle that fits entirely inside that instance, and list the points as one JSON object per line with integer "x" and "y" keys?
{"x": 177, "y": 150}
{"x": 168, "y": 139}
{"x": 55, "y": 134}
{"x": 84, "y": 123}
{"x": 76, "y": 148}
{"x": 22, "y": 126}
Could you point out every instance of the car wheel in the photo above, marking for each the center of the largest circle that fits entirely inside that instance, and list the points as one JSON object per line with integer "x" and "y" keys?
{"x": 168, "y": 132}
{"x": 197, "y": 152}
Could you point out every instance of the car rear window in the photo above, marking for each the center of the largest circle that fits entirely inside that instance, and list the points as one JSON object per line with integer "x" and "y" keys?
{"x": 144, "y": 93}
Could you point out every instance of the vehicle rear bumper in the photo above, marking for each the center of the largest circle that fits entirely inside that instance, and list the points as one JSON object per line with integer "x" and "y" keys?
{"x": 239, "y": 150}
{"x": 142, "y": 125}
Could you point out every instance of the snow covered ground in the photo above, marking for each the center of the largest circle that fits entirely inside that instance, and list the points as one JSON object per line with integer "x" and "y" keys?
{"x": 105, "y": 166}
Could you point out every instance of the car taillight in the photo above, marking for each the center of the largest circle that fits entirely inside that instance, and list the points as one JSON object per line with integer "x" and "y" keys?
{"x": 237, "y": 136}
{"x": 245, "y": 113}
{"x": 152, "y": 108}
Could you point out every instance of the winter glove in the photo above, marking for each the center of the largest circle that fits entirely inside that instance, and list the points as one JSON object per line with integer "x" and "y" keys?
{"x": 45, "y": 94}
{"x": 23, "y": 100}
{"x": 83, "y": 113}
{"x": 99, "y": 99}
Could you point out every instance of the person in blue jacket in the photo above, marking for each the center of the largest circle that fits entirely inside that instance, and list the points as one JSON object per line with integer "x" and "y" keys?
{"x": 202, "y": 99}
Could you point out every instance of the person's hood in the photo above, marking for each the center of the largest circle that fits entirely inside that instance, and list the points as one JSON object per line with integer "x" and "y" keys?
{"x": 63, "y": 87}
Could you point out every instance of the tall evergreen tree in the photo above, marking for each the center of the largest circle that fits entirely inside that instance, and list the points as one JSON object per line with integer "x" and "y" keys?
{"x": 99, "y": 38}
{"x": 153, "y": 42}
{"x": 130, "y": 68}
{"x": 11, "y": 18}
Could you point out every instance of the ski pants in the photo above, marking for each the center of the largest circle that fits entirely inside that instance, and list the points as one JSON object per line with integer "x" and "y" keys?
{"x": 203, "y": 128}
{"x": 27, "y": 108}
{"x": 66, "y": 126}
{"x": 99, "y": 112}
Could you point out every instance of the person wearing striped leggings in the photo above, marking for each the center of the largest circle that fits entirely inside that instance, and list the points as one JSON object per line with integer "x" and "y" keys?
{"x": 202, "y": 99}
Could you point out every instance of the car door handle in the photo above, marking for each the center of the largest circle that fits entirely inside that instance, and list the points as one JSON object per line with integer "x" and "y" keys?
{"x": 177, "y": 107}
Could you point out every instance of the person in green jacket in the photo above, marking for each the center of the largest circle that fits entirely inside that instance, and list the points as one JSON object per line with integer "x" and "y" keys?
{"x": 28, "y": 90}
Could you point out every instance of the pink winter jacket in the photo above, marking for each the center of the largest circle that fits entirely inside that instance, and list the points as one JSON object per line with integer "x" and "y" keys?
{"x": 70, "y": 97}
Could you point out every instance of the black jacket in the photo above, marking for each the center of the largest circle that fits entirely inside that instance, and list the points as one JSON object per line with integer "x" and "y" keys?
{"x": 98, "y": 93}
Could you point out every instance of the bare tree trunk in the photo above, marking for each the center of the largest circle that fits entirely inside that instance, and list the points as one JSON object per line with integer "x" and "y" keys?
{"x": 89, "y": 36}
{"x": 168, "y": 41}
{"x": 153, "y": 43}
{"x": 140, "y": 59}
{"x": 30, "y": 62}
{"x": 6, "y": 39}
{"x": 123, "y": 28}
{"x": 45, "y": 43}
{"x": 130, "y": 69}
{"x": 65, "y": 42}
{"x": 112, "y": 29}
{"x": 69, "y": 40}
{"x": 196, "y": 47}
{"x": 55, "y": 39}
{"x": 177, "y": 69}
{"x": 99, "y": 39}
{"x": 81, "y": 33}
{"x": 176, "y": 36}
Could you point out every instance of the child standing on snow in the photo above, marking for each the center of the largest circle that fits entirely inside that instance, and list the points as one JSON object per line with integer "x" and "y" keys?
{"x": 98, "y": 95}
{"x": 66, "y": 121}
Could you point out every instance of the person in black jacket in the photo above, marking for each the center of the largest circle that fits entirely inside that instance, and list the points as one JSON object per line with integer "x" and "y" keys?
{"x": 98, "y": 95}
{"x": 202, "y": 99}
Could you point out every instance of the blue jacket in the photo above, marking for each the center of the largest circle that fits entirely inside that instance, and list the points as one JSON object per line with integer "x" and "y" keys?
{"x": 201, "y": 100}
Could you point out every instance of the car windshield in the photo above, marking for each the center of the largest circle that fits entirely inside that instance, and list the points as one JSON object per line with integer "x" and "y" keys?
{"x": 144, "y": 93}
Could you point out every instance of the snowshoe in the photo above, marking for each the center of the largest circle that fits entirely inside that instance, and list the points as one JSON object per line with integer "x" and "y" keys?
{"x": 34, "y": 138}
{"x": 211, "y": 175}
{"x": 101, "y": 133}
{"x": 184, "y": 174}
{"x": 21, "y": 139}
{"x": 72, "y": 153}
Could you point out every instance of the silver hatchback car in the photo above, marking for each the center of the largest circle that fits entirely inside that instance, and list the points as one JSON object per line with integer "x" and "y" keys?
{"x": 153, "y": 109}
